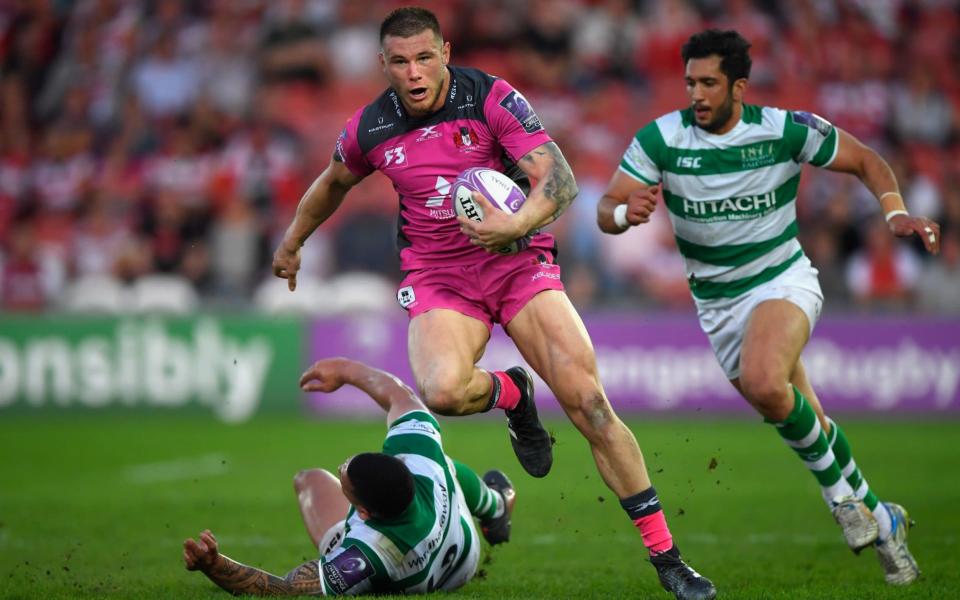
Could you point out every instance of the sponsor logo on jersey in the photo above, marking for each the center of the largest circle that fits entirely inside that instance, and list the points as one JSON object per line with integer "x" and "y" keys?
{"x": 338, "y": 152}
{"x": 428, "y": 133}
{"x": 347, "y": 569}
{"x": 395, "y": 157}
{"x": 689, "y": 162}
{"x": 730, "y": 209}
{"x": 396, "y": 105}
{"x": 443, "y": 192}
{"x": 406, "y": 296}
{"x": 547, "y": 274}
{"x": 758, "y": 155}
{"x": 813, "y": 121}
{"x": 515, "y": 104}
{"x": 380, "y": 127}
{"x": 465, "y": 139}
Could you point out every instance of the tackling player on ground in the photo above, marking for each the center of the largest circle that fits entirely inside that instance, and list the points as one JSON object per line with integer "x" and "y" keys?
{"x": 434, "y": 121}
{"x": 729, "y": 173}
{"x": 396, "y": 521}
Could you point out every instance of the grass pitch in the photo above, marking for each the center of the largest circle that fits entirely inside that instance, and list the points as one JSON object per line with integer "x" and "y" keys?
{"x": 98, "y": 506}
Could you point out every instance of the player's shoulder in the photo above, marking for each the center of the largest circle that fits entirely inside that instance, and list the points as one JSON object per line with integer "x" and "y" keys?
{"x": 379, "y": 120}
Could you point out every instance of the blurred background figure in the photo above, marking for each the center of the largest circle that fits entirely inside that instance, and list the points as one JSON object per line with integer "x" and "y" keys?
{"x": 176, "y": 136}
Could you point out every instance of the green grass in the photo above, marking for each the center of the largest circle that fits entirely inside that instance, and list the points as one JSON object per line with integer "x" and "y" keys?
{"x": 81, "y": 516}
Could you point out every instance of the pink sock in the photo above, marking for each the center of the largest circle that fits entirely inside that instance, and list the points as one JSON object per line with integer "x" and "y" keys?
{"x": 655, "y": 533}
{"x": 509, "y": 392}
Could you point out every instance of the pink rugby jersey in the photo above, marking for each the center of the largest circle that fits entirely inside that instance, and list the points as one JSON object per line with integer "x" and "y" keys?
{"x": 484, "y": 122}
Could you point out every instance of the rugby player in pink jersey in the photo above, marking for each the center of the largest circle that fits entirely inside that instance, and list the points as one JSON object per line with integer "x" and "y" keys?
{"x": 432, "y": 122}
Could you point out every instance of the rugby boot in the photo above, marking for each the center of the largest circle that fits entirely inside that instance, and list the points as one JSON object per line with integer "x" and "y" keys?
{"x": 859, "y": 526}
{"x": 531, "y": 442}
{"x": 899, "y": 567}
{"x": 678, "y": 578}
{"x": 496, "y": 530}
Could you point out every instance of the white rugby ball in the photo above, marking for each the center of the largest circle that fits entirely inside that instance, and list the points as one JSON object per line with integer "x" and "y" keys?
{"x": 500, "y": 190}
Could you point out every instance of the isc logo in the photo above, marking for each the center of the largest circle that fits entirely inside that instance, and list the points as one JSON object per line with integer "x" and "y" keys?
{"x": 689, "y": 162}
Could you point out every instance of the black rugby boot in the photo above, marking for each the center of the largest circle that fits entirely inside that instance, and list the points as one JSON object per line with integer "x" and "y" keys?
{"x": 531, "y": 442}
{"x": 678, "y": 578}
{"x": 497, "y": 530}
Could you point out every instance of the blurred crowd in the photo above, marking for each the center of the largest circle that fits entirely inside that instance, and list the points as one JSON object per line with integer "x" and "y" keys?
{"x": 175, "y": 137}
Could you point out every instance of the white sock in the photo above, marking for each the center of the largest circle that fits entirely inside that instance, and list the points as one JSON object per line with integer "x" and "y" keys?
{"x": 882, "y": 515}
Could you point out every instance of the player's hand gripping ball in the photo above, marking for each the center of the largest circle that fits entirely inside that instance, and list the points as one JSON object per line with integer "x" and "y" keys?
{"x": 502, "y": 192}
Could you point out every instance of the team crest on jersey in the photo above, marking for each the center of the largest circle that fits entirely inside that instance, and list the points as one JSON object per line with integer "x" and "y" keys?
{"x": 347, "y": 569}
{"x": 813, "y": 121}
{"x": 405, "y": 296}
{"x": 515, "y": 104}
{"x": 465, "y": 139}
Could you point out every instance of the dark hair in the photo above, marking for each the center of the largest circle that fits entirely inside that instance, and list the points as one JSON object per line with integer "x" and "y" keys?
{"x": 409, "y": 21}
{"x": 381, "y": 483}
{"x": 732, "y": 48}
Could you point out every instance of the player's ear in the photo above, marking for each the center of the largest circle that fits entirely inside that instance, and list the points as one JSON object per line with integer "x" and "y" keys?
{"x": 383, "y": 61}
{"x": 445, "y": 53}
{"x": 739, "y": 89}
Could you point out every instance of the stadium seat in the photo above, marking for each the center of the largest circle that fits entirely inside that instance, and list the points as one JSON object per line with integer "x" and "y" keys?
{"x": 312, "y": 298}
{"x": 102, "y": 294}
{"x": 170, "y": 294}
{"x": 364, "y": 292}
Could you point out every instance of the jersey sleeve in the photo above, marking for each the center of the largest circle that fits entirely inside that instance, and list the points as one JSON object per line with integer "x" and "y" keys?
{"x": 418, "y": 433}
{"x": 348, "y": 149}
{"x": 513, "y": 121}
{"x": 812, "y": 139}
{"x": 351, "y": 571}
{"x": 643, "y": 158}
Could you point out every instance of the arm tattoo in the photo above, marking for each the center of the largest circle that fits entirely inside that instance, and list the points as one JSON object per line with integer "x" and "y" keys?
{"x": 241, "y": 579}
{"x": 559, "y": 186}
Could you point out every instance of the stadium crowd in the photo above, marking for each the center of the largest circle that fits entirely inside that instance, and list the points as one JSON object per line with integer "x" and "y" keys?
{"x": 176, "y": 136}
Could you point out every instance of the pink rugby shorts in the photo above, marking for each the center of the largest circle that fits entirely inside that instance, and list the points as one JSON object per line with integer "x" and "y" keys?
{"x": 493, "y": 290}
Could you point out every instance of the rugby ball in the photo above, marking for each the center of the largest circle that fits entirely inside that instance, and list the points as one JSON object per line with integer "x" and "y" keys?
{"x": 500, "y": 190}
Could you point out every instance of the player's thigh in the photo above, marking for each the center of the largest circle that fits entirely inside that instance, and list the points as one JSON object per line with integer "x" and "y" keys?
{"x": 774, "y": 337}
{"x": 444, "y": 345}
{"x": 322, "y": 503}
{"x": 550, "y": 335}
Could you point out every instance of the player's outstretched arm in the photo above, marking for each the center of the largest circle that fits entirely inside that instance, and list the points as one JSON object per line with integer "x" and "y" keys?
{"x": 858, "y": 159}
{"x": 204, "y": 555}
{"x": 393, "y": 396}
{"x": 319, "y": 202}
{"x": 638, "y": 200}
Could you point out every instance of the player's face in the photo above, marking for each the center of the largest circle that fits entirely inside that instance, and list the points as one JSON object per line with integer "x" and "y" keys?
{"x": 715, "y": 103}
{"x": 416, "y": 68}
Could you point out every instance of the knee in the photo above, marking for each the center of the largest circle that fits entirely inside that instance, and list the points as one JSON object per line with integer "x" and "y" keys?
{"x": 768, "y": 393}
{"x": 445, "y": 395}
{"x": 308, "y": 478}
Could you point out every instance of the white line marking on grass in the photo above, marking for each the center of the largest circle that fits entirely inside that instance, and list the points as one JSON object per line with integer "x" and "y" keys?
{"x": 178, "y": 469}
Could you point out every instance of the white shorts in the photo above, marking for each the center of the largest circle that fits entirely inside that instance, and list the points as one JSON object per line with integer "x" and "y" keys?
{"x": 724, "y": 320}
{"x": 332, "y": 538}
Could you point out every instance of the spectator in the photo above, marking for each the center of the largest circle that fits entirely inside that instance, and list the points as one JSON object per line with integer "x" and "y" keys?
{"x": 884, "y": 273}
{"x": 938, "y": 289}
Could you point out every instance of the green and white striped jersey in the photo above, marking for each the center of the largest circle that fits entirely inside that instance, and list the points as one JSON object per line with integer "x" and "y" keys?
{"x": 416, "y": 553}
{"x": 732, "y": 197}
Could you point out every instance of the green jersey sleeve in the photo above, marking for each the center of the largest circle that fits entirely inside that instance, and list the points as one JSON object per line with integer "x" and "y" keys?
{"x": 352, "y": 570}
{"x": 418, "y": 433}
{"x": 643, "y": 158}
{"x": 812, "y": 138}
